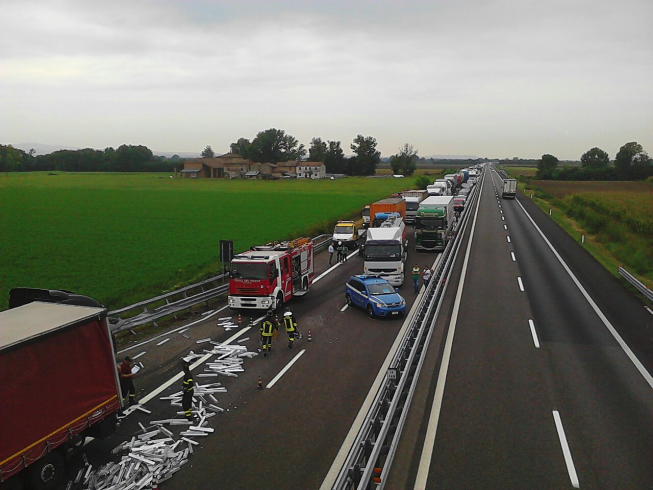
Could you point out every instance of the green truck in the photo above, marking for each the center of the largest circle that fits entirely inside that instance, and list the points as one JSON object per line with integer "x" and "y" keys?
{"x": 434, "y": 223}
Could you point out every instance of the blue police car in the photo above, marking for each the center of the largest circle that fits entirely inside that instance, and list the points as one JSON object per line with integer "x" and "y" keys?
{"x": 375, "y": 295}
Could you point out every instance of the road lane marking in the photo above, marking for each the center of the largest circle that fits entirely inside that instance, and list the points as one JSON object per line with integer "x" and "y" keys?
{"x": 436, "y": 407}
{"x": 283, "y": 371}
{"x": 566, "y": 451}
{"x": 502, "y": 218}
{"x": 332, "y": 475}
{"x": 333, "y": 267}
{"x": 649, "y": 310}
{"x": 501, "y": 211}
{"x": 172, "y": 331}
{"x": 512, "y": 254}
{"x": 534, "y": 333}
{"x": 508, "y": 238}
{"x": 505, "y": 227}
{"x": 179, "y": 375}
{"x": 257, "y": 321}
{"x": 521, "y": 284}
{"x": 344, "y": 308}
{"x": 633, "y": 358}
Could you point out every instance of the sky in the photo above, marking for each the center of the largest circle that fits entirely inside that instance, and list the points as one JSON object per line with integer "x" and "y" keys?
{"x": 492, "y": 78}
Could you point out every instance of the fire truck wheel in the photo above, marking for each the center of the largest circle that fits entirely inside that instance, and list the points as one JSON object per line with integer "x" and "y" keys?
{"x": 47, "y": 472}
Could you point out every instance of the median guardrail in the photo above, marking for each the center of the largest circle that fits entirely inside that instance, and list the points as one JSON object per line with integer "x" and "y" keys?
{"x": 369, "y": 459}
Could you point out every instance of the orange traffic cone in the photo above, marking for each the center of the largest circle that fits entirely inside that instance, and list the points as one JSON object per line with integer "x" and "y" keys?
{"x": 240, "y": 319}
{"x": 260, "y": 383}
{"x": 310, "y": 338}
{"x": 155, "y": 484}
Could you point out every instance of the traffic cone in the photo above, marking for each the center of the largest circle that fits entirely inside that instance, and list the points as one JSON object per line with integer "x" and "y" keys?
{"x": 260, "y": 383}
{"x": 310, "y": 338}
{"x": 155, "y": 484}
{"x": 240, "y": 319}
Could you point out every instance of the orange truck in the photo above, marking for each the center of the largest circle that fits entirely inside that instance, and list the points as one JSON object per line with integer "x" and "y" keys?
{"x": 385, "y": 206}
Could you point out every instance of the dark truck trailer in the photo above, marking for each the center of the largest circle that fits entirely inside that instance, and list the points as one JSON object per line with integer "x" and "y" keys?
{"x": 58, "y": 383}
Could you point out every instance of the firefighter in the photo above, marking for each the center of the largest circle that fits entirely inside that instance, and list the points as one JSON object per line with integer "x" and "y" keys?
{"x": 291, "y": 327}
{"x": 127, "y": 382}
{"x": 267, "y": 331}
{"x": 188, "y": 388}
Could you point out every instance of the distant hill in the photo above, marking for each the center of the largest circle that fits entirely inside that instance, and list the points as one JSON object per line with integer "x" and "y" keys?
{"x": 43, "y": 149}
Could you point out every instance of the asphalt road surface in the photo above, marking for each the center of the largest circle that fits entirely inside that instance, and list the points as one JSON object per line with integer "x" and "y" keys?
{"x": 536, "y": 392}
{"x": 522, "y": 368}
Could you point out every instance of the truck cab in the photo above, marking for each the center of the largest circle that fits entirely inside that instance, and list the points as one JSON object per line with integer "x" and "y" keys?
{"x": 347, "y": 233}
{"x": 385, "y": 251}
{"x": 434, "y": 223}
{"x": 366, "y": 216}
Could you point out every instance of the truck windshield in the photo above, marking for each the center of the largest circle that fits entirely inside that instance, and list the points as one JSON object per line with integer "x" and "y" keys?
{"x": 412, "y": 206}
{"x": 344, "y": 230}
{"x": 366, "y": 212}
{"x": 249, "y": 270}
{"x": 376, "y": 289}
{"x": 382, "y": 252}
{"x": 432, "y": 223}
{"x": 378, "y": 221}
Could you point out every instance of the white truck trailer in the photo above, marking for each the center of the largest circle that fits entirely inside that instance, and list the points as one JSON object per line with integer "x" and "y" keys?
{"x": 509, "y": 188}
{"x": 385, "y": 252}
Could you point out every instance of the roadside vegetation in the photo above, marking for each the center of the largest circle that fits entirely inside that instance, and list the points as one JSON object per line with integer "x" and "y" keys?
{"x": 122, "y": 238}
{"x": 615, "y": 217}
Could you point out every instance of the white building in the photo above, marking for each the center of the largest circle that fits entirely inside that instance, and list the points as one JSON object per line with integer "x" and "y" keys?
{"x": 311, "y": 170}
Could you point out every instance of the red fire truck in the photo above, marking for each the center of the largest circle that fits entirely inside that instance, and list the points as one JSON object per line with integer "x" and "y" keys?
{"x": 268, "y": 275}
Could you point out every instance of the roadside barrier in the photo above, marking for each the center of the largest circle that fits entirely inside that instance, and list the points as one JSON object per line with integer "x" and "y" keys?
{"x": 181, "y": 299}
{"x": 636, "y": 283}
{"x": 370, "y": 456}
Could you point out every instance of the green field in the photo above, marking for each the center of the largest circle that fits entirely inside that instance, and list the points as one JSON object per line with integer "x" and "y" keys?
{"x": 121, "y": 238}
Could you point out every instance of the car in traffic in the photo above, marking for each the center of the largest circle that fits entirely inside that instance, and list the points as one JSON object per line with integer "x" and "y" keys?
{"x": 375, "y": 295}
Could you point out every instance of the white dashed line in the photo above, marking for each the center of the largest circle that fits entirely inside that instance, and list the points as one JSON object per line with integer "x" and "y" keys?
{"x": 505, "y": 227}
{"x": 565, "y": 450}
{"x": 333, "y": 267}
{"x": 283, "y": 371}
{"x": 508, "y": 238}
{"x": 521, "y": 284}
{"x": 534, "y": 333}
{"x": 512, "y": 254}
{"x": 344, "y": 308}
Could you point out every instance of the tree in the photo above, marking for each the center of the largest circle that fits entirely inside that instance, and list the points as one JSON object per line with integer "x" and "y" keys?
{"x": 546, "y": 165}
{"x": 595, "y": 158}
{"x": 274, "y": 146}
{"x": 404, "y": 162}
{"x": 241, "y": 147}
{"x": 130, "y": 158}
{"x": 624, "y": 159}
{"x": 317, "y": 151}
{"x": 422, "y": 181}
{"x": 334, "y": 158}
{"x": 10, "y": 159}
{"x": 367, "y": 156}
{"x": 208, "y": 152}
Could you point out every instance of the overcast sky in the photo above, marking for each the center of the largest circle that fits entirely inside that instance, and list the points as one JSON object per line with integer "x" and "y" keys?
{"x": 489, "y": 78}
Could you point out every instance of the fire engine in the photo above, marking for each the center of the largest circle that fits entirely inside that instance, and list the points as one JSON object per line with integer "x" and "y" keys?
{"x": 266, "y": 276}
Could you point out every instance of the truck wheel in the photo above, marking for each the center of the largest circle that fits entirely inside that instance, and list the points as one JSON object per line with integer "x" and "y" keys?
{"x": 348, "y": 298}
{"x": 370, "y": 311}
{"x": 47, "y": 472}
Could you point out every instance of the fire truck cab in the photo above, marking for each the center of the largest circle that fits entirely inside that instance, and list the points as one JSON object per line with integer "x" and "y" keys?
{"x": 266, "y": 276}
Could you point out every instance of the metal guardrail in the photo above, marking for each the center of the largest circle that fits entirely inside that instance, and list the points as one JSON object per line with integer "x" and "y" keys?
{"x": 378, "y": 438}
{"x": 182, "y": 299}
{"x": 636, "y": 283}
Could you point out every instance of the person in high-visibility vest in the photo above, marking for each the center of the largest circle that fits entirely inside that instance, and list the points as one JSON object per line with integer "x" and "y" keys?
{"x": 291, "y": 327}
{"x": 267, "y": 330}
{"x": 188, "y": 388}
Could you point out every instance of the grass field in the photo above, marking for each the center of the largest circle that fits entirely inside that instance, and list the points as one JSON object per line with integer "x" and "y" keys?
{"x": 121, "y": 238}
{"x": 616, "y": 217}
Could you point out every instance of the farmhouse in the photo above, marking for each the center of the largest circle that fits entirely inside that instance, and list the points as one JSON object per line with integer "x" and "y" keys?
{"x": 234, "y": 166}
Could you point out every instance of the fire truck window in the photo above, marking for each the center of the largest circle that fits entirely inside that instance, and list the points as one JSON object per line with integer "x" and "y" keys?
{"x": 286, "y": 266}
{"x": 273, "y": 272}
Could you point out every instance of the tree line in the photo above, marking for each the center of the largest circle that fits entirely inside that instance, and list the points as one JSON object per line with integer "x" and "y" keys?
{"x": 630, "y": 163}
{"x": 126, "y": 158}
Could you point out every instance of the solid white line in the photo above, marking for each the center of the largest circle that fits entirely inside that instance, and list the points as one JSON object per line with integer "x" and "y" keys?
{"x": 633, "y": 358}
{"x": 333, "y": 267}
{"x": 171, "y": 331}
{"x": 344, "y": 308}
{"x": 179, "y": 375}
{"x": 565, "y": 450}
{"x": 429, "y": 441}
{"x": 521, "y": 284}
{"x": 283, "y": 371}
{"x": 508, "y": 238}
{"x": 330, "y": 479}
{"x": 649, "y": 310}
{"x": 512, "y": 254}
{"x": 534, "y": 333}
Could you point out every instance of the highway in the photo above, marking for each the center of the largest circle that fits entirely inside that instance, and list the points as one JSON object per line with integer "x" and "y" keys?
{"x": 524, "y": 385}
